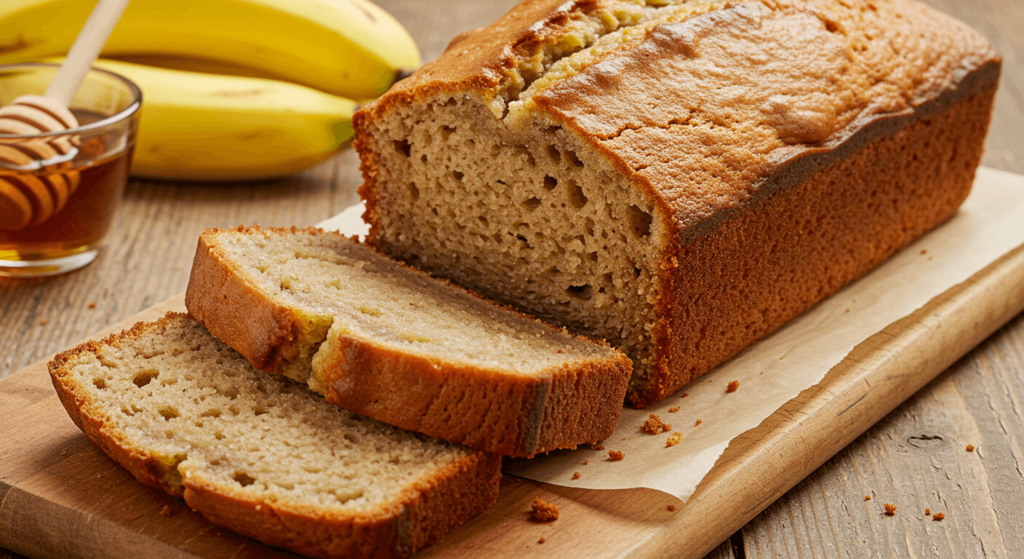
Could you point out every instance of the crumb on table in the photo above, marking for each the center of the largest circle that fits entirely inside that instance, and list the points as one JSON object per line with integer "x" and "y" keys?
{"x": 698, "y": 422}
{"x": 867, "y": 497}
{"x": 166, "y": 511}
{"x": 734, "y": 385}
{"x": 674, "y": 439}
{"x": 543, "y": 511}
{"x": 542, "y": 540}
{"x": 575, "y": 475}
{"x": 615, "y": 455}
{"x": 938, "y": 516}
{"x": 685, "y": 394}
{"x": 671, "y": 508}
{"x": 927, "y": 512}
{"x": 654, "y": 425}
{"x": 970, "y": 448}
{"x": 673, "y": 409}
{"x": 92, "y": 304}
{"x": 585, "y": 462}
{"x": 890, "y": 509}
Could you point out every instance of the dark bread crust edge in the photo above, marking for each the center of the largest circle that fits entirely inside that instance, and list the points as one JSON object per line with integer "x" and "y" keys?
{"x": 561, "y": 408}
{"x": 422, "y": 512}
{"x": 928, "y": 186}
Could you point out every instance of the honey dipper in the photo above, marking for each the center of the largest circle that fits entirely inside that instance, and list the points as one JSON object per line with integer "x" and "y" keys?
{"x": 29, "y": 199}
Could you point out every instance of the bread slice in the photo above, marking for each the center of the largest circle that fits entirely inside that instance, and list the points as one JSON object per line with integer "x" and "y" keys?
{"x": 382, "y": 339}
{"x": 679, "y": 177}
{"x": 262, "y": 455}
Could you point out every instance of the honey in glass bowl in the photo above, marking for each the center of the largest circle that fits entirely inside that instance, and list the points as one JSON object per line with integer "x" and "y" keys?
{"x": 57, "y": 201}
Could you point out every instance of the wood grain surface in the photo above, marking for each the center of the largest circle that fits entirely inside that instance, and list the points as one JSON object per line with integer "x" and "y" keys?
{"x": 915, "y": 458}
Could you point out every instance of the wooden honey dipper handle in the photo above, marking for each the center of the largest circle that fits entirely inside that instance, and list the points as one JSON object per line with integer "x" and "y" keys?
{"x": 85, "y": 50}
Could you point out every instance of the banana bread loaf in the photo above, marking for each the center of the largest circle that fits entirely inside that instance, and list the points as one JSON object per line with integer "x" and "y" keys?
{"x": 382, "y": 339}
{"x": 679, "y": 177}
{"x": 262, "y": 455}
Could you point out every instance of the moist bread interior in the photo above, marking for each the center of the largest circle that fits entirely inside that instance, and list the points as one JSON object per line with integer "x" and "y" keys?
{"x": 329, "y": 280}
{"x": 199, "y": 409}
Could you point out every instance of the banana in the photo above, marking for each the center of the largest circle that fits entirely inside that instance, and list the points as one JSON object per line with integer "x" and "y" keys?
{"x": 350, "y": 48}
{"x": 209, "y": 127}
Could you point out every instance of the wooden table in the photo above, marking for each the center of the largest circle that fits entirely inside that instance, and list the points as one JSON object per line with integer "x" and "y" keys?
{"x": 914, "y": 458}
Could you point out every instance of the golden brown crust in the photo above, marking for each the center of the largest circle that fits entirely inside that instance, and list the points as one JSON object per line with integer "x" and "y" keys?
{"x": 424, "y": 511}
{"x": 514, "y": 415}
{"x": 809, "y": 240}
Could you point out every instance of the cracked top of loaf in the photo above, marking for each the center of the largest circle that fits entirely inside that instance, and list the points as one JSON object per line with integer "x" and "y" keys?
{"x": 701, "y": 101}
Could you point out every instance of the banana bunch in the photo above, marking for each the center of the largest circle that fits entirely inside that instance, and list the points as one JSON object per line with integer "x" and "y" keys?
{"x": 232, "y": 89}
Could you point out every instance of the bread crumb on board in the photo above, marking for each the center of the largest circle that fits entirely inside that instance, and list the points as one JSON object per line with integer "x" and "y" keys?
{"x": 673, "y": 409}
{"x": 671, "y": 508}
{"x": 166, "y": 511}
{"x": 890, "y": 509}
{"x": 585, "y": 462}
{"x": 734, "y": 385}
{"x": 542, "y": 540}
{"x": 970, "y": 448}
{"x": 927, "y": 512}
{"x": 92, "y": 304}
{"x": 867, "y": 497}
{"x": 544, "y": 511}
{"x": 685, "y": 394}
{"x": 674, "y": 439}
{"x": 615, "y": 455}
{"x": 575, "y": 475}
{"x": 654, "y": 425}
{"x": 698, "y": 422}
{"x": 938, "y": 516}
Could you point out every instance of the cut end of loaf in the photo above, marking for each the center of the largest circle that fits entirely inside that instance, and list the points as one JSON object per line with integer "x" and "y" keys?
{"x": 538, "y": 225}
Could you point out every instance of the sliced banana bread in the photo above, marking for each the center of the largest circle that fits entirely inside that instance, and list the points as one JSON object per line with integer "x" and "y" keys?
{"x": 679, "y": 177}
{"x": 262, "y": 455}
{"x": 385, "y": 340}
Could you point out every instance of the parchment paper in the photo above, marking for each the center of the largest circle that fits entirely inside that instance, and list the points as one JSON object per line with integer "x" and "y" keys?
{"x": 794, "y": 358}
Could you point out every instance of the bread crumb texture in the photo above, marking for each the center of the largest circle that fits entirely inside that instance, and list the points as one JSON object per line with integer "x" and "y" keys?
{"x": 615, "y": 455}
{"x": 575, "y": 475}
{"x": 890, "y": 509}
{"x": 674, "y": 439}
{"x": 544, "y": 511}
{"x": 654, "y": 425}
{"x": 927, "y": 512}
{"x": 180, "y": 409}
{"x": 938, "y": 516}
{"x": 970, "y": 448}
{"x": 734, "y": 385}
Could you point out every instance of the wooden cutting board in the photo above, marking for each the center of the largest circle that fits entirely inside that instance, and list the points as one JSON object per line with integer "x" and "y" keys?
{"x": 62, "y": 497}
